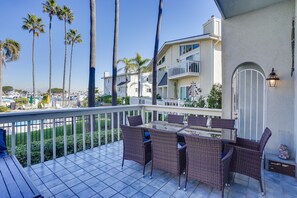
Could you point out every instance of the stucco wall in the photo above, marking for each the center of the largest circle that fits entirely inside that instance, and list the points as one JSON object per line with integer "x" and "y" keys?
{"x": 206, "y": 66}
{"x": 263, "y": 37}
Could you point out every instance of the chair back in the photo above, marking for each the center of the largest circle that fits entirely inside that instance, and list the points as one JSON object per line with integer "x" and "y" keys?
{"x": 264, "y": 139}
{"x": 3, "y": 146}
{"x": 204, "y": 159}
{"x": 133, "y": 138}
{"x": 164, "y": 150}
{"x": 222, "y": 123}
{"x": 197, "y": 121}
{"x": 135, "y": 120}
{"x": 178, "y": 119}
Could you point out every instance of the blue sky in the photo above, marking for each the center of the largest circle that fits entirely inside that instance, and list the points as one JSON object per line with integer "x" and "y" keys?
{"x": 181, "y": 18}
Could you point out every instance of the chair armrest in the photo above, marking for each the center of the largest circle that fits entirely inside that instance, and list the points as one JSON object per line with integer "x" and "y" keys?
{"x": 247, "y": 144}
{"x": 148, "y": 142}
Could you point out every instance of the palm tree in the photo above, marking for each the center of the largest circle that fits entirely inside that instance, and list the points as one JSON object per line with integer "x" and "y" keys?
{"x": 66, "y": 15}
{"x": 34, "y": 25}
{"x": 72, "y": 38}
{"x": 129, "y": 66}
{"x": 115, "y": 53}
{"x": 154, "y": 94}
{"x": 140, "y": 67}
{"x": 50, "y": 7}
{"x": 9, "y": 51}
{"x": 91, "y": 92}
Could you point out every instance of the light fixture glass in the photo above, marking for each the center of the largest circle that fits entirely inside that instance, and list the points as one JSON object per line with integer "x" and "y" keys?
{"x": 272, "y": 78}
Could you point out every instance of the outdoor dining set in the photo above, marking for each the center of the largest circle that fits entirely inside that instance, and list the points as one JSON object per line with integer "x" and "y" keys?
{"x": 205, "y": 150}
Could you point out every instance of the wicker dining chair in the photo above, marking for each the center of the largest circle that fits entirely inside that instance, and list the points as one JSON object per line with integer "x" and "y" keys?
{"x": 135, "y": 120}
{"x": 167, "y": 154}
{"x": 248, "y": 155}
{"x": 205, "y": 161}
{"x": 222, "y": 123}
{"x": 178, "y": 119}
{"x": 197, "y": 121}
{"x": 134, "y": 146}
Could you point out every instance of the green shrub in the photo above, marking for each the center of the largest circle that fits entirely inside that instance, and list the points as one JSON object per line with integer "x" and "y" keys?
{"x": 4, "y": 109}
{"x": 107, "y": 99}
{"x": 214, "y": 98}
{"x": 21, "y": 101}
{"x": 21, "y": 150}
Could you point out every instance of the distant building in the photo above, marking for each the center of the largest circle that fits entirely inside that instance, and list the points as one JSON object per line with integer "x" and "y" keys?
{"x": 145, "y": 84}
{"x": 185, "y": 61}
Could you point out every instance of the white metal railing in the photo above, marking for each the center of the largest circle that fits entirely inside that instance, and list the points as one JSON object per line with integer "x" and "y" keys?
{"x": 37, "y": 136}
{"x": 184, "y": 67}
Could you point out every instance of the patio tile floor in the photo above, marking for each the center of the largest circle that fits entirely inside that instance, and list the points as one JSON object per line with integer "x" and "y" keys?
{"x": 98, "y": 173}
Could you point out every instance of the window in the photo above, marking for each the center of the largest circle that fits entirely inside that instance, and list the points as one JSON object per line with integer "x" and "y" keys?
{"x": 161, "y": 61}
{"x": 183, "y": 93}
{"x": 149, "y": 90}
{"x": 187, "y": 48}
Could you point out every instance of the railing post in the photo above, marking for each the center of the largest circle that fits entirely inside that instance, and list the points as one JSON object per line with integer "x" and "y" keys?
{"x": 105, "y": 128}
{"x": 99, "y": 129}
{"x": 74, "y": 134}
{"x": 84, "y": 132}
{"x": 54, "y": 139}
{"x": 28, "y": 144}
{"x": 143, "y": 114}
{"x": 65, "y": 136}
{"x": 118, "y": 125}
{"x": 13, "y": 139}
{"x": 112, "y": 127}
{"x": 42, "y": 141}
{"x": 92, "y": 131}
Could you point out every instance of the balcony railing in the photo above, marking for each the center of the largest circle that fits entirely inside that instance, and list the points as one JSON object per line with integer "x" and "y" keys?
{"x": 186, "y": 68}
{"x": 38, "y": 136}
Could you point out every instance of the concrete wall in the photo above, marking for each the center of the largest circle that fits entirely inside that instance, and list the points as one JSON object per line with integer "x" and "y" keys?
{"x": 263, "y": 37}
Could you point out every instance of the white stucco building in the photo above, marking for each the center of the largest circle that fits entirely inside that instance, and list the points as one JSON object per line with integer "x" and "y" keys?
{"x": 257, "y": 36}
{"x": 194, "y": 59}
{"x": 145, "y": 84}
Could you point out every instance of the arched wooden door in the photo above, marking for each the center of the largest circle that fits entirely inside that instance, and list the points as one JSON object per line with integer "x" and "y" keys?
{"x": 248, "y": 100}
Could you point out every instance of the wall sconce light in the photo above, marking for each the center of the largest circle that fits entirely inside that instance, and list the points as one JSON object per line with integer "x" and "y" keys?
{"x": 272, "y": 78}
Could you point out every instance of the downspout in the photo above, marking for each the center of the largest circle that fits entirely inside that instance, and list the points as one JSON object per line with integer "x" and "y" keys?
{"x": 295, "y": 89}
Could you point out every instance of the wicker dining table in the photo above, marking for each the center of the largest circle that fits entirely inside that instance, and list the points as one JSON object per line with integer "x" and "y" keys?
{"x": 227, "y": 135}
{"x": 163, "y": 125}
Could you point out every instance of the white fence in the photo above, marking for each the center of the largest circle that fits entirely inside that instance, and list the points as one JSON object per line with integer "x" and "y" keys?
{"x": 83, "y": 127}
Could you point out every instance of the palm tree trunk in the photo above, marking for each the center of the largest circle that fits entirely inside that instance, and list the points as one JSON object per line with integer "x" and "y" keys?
{"x": 126, "y": 83}
{"x": 139, "y": 79}
{"x": 154, "y": 94}
{"x": 33, "y": 66}
{"x": 50, "y": 57}
{"x": 70, "y": 71}
{"x": 65, "y": 60}
{"x": 1, "y": 81}
{"x": 115, "y": 54}
{"x": 91, "y": 93}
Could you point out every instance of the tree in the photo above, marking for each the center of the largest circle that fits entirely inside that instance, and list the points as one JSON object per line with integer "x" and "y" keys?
{"x": 56, "y": 90}
{"x": 50, "y": 7}
{"x": 7, "y": 89}
{"x": 214, "y": 99}
{"x": 140, "y": 67}
{"x": 35, "y": 26}
{"x": 72, "y": 38}
{"x": 9, "y": 51}
{"x": 154, "y": 94}
{"x": 115, "y": 53}
{"x": 66, "y": 15}
{"x": 91, "y": 92}
{"x": 129, "y": 66}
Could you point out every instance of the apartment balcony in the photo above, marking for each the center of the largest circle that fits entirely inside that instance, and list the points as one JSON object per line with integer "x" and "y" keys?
{"x": 184, "y": 69}
{"x": 78, "y": 153}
